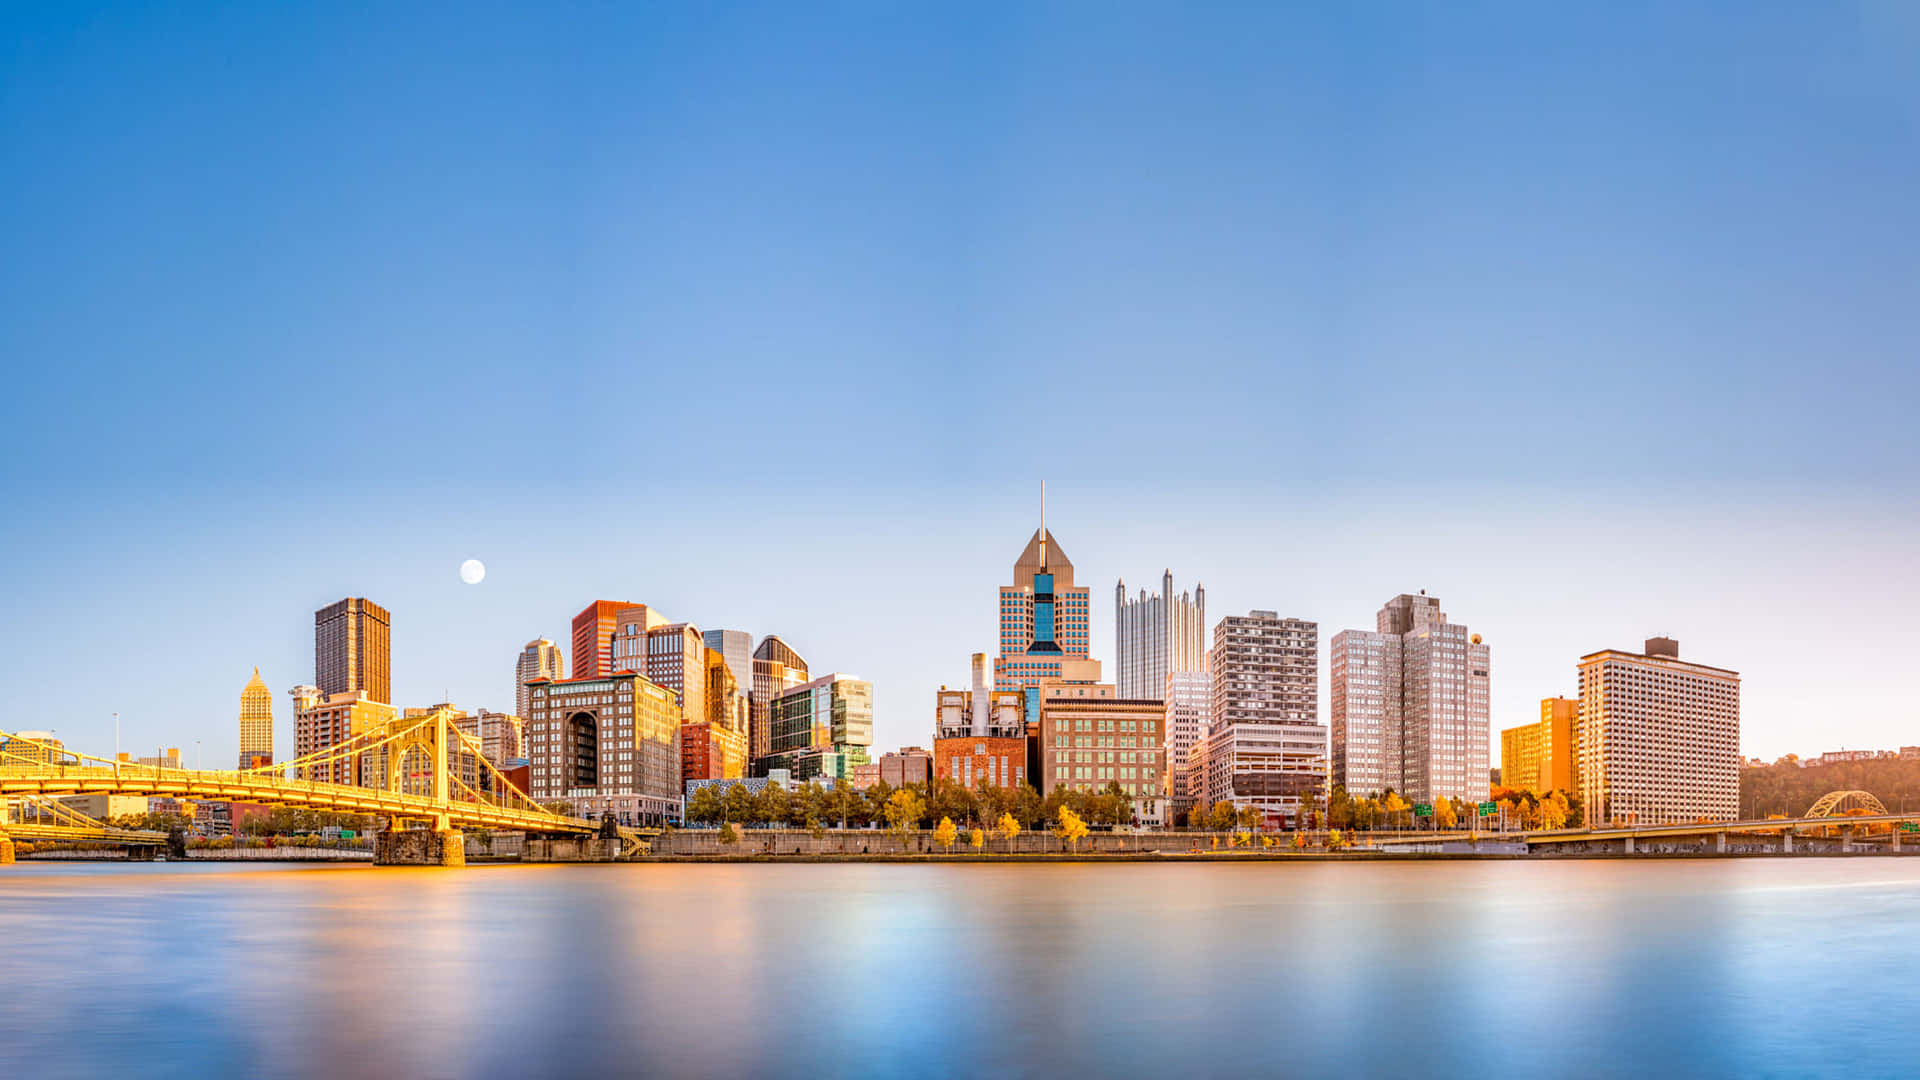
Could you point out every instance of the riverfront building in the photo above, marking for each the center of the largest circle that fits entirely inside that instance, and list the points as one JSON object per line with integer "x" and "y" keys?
{"x": 600, "y": 737}
{"x": 1659, "y": 737}
{"x": 352, "y": 649}
{"x": 1264, "y": 746}
{"x": 1189, "y": 707}
{"x": 256, "y": 723}
{"x": 539, "y": 660}
{"x": 1539, "y": 757}
{"x": 1155, "y": 635}
{"x": 821, "y": 729}
{"x": 980, "y": 734}
{"x": 1090, "y": 737}
{"x": 1408, "y": 705}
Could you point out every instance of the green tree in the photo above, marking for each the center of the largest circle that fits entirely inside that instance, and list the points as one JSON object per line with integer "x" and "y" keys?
{"x": 843, "y": 802}
{"x": 706, "y": 805}
{"x": 737, "y": 804}
{"x": 1027, "y": 806}
{"x": 770, "y": 804}
{"x": 877, "y": 798}
{"x": 727, "y": 835}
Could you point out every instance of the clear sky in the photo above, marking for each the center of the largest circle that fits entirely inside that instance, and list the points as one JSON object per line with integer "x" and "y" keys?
{"x": 1595, "y": 321}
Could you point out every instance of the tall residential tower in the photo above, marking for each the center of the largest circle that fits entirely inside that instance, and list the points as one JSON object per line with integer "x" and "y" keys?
{"x": 1408, "y": 704}
{"x": 539, "y": 660}
{"x": 352, "y": 649}
{"x": 1659, "y": 738}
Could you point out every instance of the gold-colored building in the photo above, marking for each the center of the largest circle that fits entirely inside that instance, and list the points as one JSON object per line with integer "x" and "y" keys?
{"x": 1540, "y": 757}
{"x": 320, "y": 722}
{"x": 1091, "y": 737}
{"x": 256, "y": 721}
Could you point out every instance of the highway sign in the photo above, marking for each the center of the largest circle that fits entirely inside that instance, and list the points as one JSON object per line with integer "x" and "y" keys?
{"x": 1908, "y": 826}
{"x": 1488, "y": 809}
{"x": 1423, "y": 810}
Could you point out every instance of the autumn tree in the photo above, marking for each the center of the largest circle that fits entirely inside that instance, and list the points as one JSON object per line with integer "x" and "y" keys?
{"x": 978, "y": 838}
{"x": 903, "y": 811}
{"x": 1070, "y": 828}
{"x": 1221, "y": 817}
{"x": 944, "y": 833}
{"x": 1009, "y": 826}
{"x": 1444, "y": 815}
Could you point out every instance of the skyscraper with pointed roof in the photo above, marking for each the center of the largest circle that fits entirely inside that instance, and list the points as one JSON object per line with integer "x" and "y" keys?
{"x": 1155, "y": 636}
{"x": 256, "y": 723}
{"x": 1043, "y": 621}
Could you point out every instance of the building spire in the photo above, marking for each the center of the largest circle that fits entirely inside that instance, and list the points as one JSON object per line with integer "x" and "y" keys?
{"x": 1043, "y": 526}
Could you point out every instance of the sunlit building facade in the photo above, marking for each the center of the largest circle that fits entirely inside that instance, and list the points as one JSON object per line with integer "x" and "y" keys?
{"x": 1043, "y": 623}
{"x": 539, "y": 660}
{"x": 1409, "y": 706}
{"x": 614, "y": 736}
{"x": 1659, "y": 737}
{"x": 321, "y": 722}
{"x": 777, "y": 668}
{"x": 256, "y": 723}
{"x": 1091, "y": 737}
{"x": 821, "y": 728}
{"x": 352, "y": 649}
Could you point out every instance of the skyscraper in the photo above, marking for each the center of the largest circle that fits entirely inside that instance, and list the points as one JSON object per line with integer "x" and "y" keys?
{"x": 1264, "y": 746}
{"x": 776, "y": 669}
{"x": 1409, "y": 706}
{"x": 539, "y": 660}
{"x": 352, "y": 649}
{"x": 256, "y": 723}
{"x": 1043, "y": 623}
{"x": 736, "y": 647}
{"x": 821, "y": 728}
{"x": 1659, "y": 738}
{"x": 1156, "y": 634}
{"x": 1189, "y": 708}
{"x": 594, "y": 629}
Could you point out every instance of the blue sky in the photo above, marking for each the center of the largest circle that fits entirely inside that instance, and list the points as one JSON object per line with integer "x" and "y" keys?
{"x": 1596, "y": 321}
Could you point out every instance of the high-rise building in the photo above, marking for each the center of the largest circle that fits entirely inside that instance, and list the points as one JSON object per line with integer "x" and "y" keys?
{"x": 821, "y": 728}
{"x": 1092, "y": 737}
{"x": 1659, "y": 737}
{"x": 1539, "y": 756}
{"x": 776, "y": 670}
{"x": 1155, "y": 635}
{"x": 613, "y": 739}
{"x": 736, "y": 647}
{"x": 673, "y": 655}
{"x": 593, "y": 633}
{"x": 322, "y": 722}
{"x": 163, "y": 759}
{"x": 502, "y": 735}
{"x": 1408, "y": 704}
{"x": 1043, "y": 623}
{"x": 352, "y": 649}
{"x": 256, "y": 723}
{"x": 716, "y": 748}
{"x": 539, "y": 660}
{"x": 1189, "y": 703}
{"x": 980, "y": 734}
{"x": 1264, "y": 746}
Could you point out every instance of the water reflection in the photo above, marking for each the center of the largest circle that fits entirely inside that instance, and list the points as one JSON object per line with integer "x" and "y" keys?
{"x": 1722, "y": 968}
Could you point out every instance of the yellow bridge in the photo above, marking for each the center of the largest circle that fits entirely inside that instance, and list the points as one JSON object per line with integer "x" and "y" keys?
{"x": 406, "y": 760}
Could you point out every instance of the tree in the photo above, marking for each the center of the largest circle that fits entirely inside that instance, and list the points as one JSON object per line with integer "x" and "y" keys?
{"x": 844, "y": 801}
{"x": 1027, "y": 805}
{"x": 1554, "y": 811}
{"x": 1394, "y": 804}
{"x": 1071, "y": 827}
{"x": 903, "y": 811}
{"x": 738, "y": 804}
{"x": 1335, "y": 840}
{"x": 944, "y": 833}
{"x": 770, "y": 804}
{"x": 1221, "y": 817}
{"x": 727, "y": 835}
{"x": 876, "y": 798}
{"x": 1443, "y": 814}
{"x": 706, "y": 805}
{"x": 1009, "y": 826}
{"x": 978, "y": 838}
{"x": 1299, "y": 841}
{"x": 1247, "y": 817}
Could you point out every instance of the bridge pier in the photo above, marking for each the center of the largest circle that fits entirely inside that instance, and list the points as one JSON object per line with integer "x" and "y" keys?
{"x": 1629, "y": 845}
{"x": 419, "y": 847}
{"x": 1720, "y": 843}
{"x": 1786, "y": 843}
{"x": 6, "y": 851}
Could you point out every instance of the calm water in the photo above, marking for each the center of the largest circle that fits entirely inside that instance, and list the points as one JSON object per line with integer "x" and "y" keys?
{"x": 1570, "y": 969}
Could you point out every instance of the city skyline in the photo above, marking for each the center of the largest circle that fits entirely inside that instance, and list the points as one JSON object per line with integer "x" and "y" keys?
{"x": 1651, "y": 302}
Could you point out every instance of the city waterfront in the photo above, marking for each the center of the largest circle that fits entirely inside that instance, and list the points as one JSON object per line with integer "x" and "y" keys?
{"x": 1583, "y": 968}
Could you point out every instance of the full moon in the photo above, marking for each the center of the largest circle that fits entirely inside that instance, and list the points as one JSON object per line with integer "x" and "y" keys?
{"x": 472, "y": 571}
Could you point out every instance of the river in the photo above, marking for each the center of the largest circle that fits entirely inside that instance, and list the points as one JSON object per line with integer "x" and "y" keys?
{"x": 1759, "y": 967}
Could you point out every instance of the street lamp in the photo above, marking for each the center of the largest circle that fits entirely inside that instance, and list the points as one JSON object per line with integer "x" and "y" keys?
{"x": 116, "y": 743}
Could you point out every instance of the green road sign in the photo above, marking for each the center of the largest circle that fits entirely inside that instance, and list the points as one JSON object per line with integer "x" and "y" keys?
{"x": 1423, "y": 810}
{"x": 1488, "y": 809}
{"x": 1908, "y": 826}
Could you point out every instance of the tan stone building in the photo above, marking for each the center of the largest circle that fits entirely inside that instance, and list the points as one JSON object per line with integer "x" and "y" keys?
{"x": 614, "y": 736}
{"x": 320, "y": 722}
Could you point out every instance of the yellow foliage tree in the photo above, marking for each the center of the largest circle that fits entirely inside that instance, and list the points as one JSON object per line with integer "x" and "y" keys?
{"x": 1070, "y": 828}
{"x": 1335, "y": 841}
{"x": 1008, "y": 827}
{"x": 978, "y": 838}
{"x": 1299, "y": 841}
{"x": 944, "y": 833}
{"x": 1444, "y": 815}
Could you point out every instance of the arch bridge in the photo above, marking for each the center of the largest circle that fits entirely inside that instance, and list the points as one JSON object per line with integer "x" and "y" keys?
{"x": 1842, "y": 803}
{"x": 413, "y": 769}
